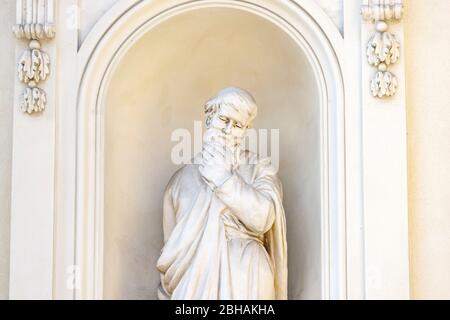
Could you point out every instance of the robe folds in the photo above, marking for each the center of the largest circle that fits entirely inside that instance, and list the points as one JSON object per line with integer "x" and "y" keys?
{"x": 227, "y": 243}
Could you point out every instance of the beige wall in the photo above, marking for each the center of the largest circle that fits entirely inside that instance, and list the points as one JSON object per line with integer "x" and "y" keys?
{"x": 7, "y": 15}
{"x": 428, "y": 108}
{"x": 427, "y": 27}
{"x": 428, "y": 134}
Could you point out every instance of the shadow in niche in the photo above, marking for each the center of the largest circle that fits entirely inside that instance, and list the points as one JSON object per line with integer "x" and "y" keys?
{"x": 160, "y": 85}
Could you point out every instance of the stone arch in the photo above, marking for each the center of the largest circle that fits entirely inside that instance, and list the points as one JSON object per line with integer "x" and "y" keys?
{"x": 107, "y": 44}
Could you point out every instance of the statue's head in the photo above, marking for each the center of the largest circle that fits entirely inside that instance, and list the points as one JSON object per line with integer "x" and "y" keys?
{"x": 230, "y": 113}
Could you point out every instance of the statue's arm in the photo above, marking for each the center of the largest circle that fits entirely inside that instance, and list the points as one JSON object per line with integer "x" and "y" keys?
{"x": 169, "y": 215}
{"x": 251, "y": 204}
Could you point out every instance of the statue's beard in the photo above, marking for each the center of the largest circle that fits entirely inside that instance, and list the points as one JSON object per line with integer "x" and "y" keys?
{"x": 213, "y": 135}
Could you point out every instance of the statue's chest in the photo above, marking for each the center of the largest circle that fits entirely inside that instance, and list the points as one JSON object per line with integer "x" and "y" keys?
{"x": 193, "y": 184}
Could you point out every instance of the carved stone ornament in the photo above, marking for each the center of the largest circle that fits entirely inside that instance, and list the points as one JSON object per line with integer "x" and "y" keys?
{"x": 33, "y": 100}
{"x": 34, "y": 65}
{"x": 382, "y": 10}
{"x": 34, "y": 22}
{"x": 384, "y": 84}
{"x": 383, "y": 48}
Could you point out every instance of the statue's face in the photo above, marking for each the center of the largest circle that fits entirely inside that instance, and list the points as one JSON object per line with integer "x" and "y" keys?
{"x": 231, "y": 123}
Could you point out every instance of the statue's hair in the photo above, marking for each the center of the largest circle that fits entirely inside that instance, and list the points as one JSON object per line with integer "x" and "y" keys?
{"x": 239, "y": 99}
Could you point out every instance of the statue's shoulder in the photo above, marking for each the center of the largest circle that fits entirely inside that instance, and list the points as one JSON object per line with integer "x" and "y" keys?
{"x": 186, "y": 174}
{"x": 252, "y": 158}
{"x": 261, "y": 166}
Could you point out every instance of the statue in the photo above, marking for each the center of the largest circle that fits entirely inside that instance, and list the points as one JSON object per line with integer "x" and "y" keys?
{"x": 224, "y": 223}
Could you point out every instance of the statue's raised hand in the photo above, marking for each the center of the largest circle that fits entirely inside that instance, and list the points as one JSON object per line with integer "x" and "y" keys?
{"x": 217, "y": 162}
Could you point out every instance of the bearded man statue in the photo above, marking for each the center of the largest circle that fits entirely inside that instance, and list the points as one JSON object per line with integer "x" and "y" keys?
{"x": 224, "y": 222}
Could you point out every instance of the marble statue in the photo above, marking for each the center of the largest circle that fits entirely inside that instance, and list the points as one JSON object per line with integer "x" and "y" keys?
{"x": 224, "y": 222}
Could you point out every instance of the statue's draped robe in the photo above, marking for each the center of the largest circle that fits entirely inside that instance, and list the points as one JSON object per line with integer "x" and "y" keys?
{"x": 229, "y": 243}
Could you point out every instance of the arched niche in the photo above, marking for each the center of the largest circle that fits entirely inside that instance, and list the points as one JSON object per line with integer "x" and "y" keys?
{"x": 147, "y": 69}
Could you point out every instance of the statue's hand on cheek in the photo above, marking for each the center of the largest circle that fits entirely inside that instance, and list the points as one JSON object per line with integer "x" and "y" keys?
{"x": 216, "y": 163}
